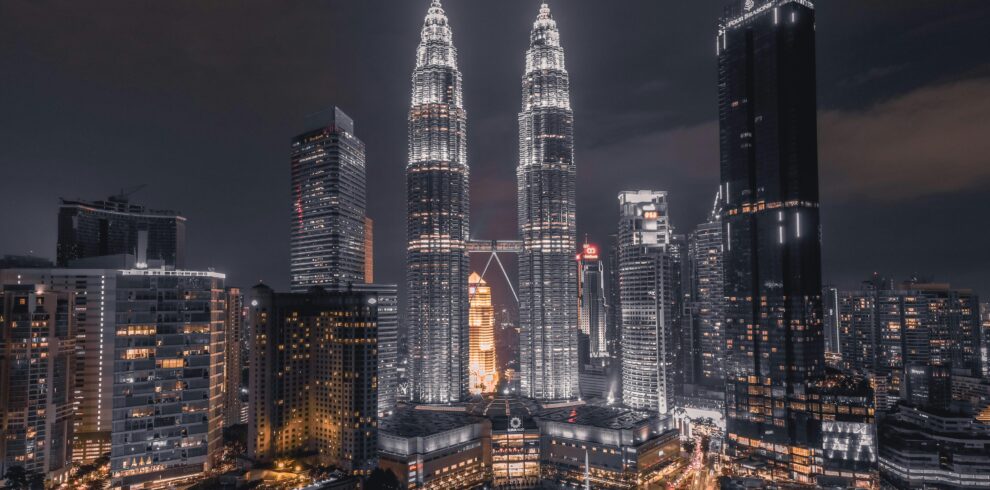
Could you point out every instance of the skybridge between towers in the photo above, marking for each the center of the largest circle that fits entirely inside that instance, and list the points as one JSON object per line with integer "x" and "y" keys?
{"x": 494, "y": 247}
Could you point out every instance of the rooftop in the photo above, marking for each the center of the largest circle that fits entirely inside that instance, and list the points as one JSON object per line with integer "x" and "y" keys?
{"x": 596, "y": 416}
{"x": 413, "y": 422}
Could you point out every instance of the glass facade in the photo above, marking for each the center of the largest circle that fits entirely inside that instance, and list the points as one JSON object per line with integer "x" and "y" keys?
{"x": 37, "y": 350}
{"x": 769, "y": 176}
{"x": 437, "y": 264}
{"x": 647, "y": 299}
{"x": 327, "y": 226}
{"x": 168, "y": 374}
{"x": 546, "y": 205}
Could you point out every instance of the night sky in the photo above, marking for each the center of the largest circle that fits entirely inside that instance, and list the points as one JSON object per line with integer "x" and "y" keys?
{"x": 199, "y": 101}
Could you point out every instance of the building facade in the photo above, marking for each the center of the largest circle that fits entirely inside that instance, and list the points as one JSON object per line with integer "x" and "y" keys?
{"x": 117, "y": 227}
{"x": 429, "y": 449}
{"x": 547, "y": 220}
{"x": 327, "y": 225}
{"x": 933, "y": 449}
{"x": 314, "y": 376}
{"x": 168, "y": 374}
{"x": 646, "y": 296}
{"x": 437, "y": 264}
{"x": 234, "y": 410}
{"x": 484, "y": 371}
{"x": 592, "y": 309}
{"x": 37, "y": 364}
{"x": 886, "y": 330}
{"x": 707, "y": 301}
{"x": 772, "y": 261}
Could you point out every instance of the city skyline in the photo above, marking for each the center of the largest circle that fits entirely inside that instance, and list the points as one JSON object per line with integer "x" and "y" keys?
{"x": 707, "y": 345}
{"x": 675, "y": 102}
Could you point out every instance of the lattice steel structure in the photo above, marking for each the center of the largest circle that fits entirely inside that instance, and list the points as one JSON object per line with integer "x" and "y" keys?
{"x": 437, "y": 264}
{"x": 545, "y": 176}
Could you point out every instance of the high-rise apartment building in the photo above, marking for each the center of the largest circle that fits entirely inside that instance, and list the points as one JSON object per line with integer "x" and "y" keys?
{"x": 37, "y": 360}
{"x": 484, "y": 371}
{"x": 437, "y": 174}
{"x": 547, "y": 220}
{"x": 707, "y": 300}
{"x": 167, "y": 378}
{"x": 117, "y": 227}
{"x": 233, "y": 333}
{"x": 592, "y": 309}
{"x": 93, "y": 310}
{"x": 314, "y": 376}
{"x": 327, "y": 225}
{"x": 646, "y": 296}
{"x": 886, "y": 329}
{"x": 772, "y": 262}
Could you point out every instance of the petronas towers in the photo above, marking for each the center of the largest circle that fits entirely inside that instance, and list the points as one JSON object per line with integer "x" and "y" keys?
{"x": 437, "y": 180}
{"x": 437, "y": 264}
{"x": 545, "y": 178}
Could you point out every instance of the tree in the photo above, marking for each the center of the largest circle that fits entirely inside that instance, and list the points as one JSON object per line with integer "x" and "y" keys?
{"x": 17, "y": 477}
{"x": 380, "y": 479}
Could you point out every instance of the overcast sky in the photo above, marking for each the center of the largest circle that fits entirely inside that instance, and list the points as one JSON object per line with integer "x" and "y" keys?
{"x": 199, "y": 100}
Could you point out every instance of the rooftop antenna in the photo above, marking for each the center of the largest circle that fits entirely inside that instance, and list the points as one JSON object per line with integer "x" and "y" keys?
{"x": 127, "y": 192}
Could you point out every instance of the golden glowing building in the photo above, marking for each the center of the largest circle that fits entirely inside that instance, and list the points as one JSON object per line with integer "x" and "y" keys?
{"x": 481, "y": 318}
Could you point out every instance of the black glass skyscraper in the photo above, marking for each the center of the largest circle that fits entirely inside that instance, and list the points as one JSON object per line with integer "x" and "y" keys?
{"x": 769, "y": 167}
{"x": 326, "y": 244}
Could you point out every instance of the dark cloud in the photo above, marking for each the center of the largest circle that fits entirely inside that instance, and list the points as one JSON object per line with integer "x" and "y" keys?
{"x": 930, "y": 141}
{"x": 200, "y": 99}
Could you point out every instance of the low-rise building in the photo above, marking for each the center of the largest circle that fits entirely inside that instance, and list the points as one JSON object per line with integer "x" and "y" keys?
{"x": 604, "y": 447}
{"x": 435, "y": 448}
{"x": 934, "y": 449}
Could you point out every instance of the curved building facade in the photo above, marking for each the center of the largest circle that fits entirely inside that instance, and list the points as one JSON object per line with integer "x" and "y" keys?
{"x": 437, "y": 222}
{"x": 546, "y": 181}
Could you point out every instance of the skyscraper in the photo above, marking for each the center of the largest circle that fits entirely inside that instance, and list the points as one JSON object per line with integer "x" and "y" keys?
{"x": 769, "y": 177}
{"x": 646, "y": 296}
{"x": 707, "y": 301}
{"x": 327, "y": 226}
{"x": 116, "y": 227}
{"x": 437, "y": 264}
{"x": 37, "y": 350}
{"x": 314, "y": 371}
{"x": 233, "y": 333}
{"x": 369, "y": 250}
{"x": 546, "y": 177}
{"x": 591, "y": 300}
{"x": 484, "y": 374}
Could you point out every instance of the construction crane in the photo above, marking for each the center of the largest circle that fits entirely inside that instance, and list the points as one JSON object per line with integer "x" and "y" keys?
{"x": 126, "y": 193}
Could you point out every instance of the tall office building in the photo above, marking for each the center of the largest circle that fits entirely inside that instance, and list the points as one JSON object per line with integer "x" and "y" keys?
{"x": 769, "y": 167}
{"x": 707, "y": 300}
{"x": 327, "y": 226}
{"x": 37, "y": 351}
{"x": 546, "y": 178}
{"x": 614, "y": 318}
{"x": 167, "y": 383}
{"x": 646, "y": 296}
{"x": 117, "y": 227}
{"x": 314, "y": 373}
{"x": 369, "y": 250}
{"x": 985, "y": 328}
{"x": 484, "y": 373}
{"x": 437, "y": 264}
{"x": 387, "y": 301}
{"x": 591, "y": 300}
{"x": 233, "y": 333}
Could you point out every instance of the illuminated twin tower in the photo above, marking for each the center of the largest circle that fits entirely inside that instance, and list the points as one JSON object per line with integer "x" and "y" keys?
{"x": 437, "y": 180}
